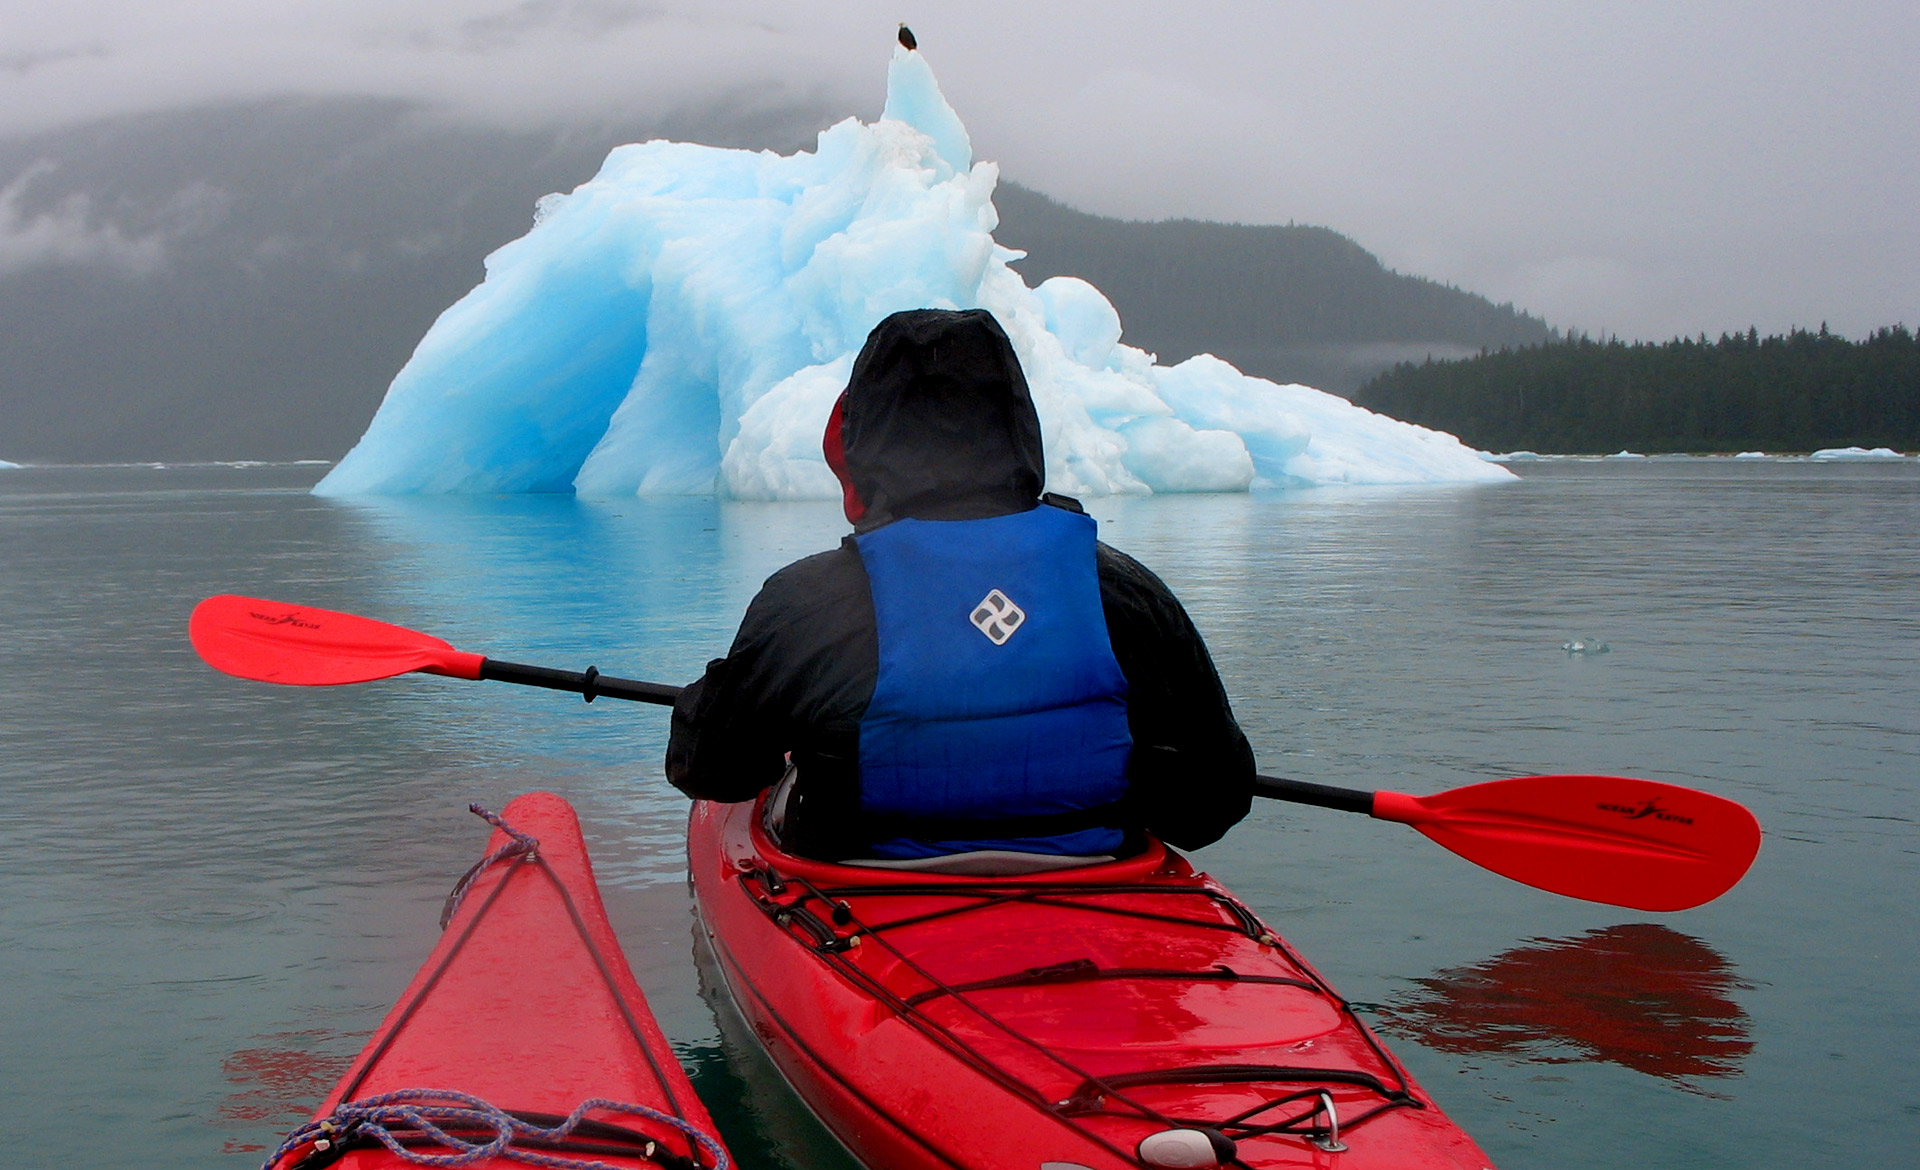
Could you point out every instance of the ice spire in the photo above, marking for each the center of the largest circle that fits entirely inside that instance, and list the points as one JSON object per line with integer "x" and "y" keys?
{"x": 914, "y": 97}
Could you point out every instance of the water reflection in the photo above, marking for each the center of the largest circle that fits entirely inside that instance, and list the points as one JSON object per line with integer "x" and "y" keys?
{"x": 1639, "y": 995}
{"x": 659, "y": 583}
{"x": 280, "y": 1080}
{"x": 540, "y": 572}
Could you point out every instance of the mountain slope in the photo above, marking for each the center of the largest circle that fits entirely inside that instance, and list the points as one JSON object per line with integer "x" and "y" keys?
{"x": 1290, "y": 303}
{"x": 244, "y": 282}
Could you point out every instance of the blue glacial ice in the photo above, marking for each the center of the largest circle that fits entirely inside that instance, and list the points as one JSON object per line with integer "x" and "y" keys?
{"x": 682, "y": 323}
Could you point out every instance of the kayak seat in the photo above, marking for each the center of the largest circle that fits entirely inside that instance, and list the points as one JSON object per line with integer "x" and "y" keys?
{"x": 975, "y": 863}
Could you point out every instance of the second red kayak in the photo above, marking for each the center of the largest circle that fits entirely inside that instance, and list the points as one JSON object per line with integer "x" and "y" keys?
{"x": 523, "y": 1038}
{"x": 1125, "y": 1014}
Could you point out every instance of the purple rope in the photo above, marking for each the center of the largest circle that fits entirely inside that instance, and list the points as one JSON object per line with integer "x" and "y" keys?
{"x": 521, "y": 844}
{"x": 433, "y": 1111}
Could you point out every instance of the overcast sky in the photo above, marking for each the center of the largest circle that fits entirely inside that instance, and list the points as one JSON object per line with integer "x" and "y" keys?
{"x": 1643, "y": 169}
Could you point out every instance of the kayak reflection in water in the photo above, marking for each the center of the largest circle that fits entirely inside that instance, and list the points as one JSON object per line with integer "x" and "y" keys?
{"x": 1638, "y": 995}
{"x": 278, "y": 1079}
{"x": 971, "y": 672}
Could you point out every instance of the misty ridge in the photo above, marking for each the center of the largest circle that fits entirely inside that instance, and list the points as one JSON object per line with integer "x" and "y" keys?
{"x": 1288, "y": 303}
{"x": 245, "y": 281}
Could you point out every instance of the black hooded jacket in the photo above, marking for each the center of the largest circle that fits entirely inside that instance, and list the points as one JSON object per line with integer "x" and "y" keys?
{"x": 937, "y": 424}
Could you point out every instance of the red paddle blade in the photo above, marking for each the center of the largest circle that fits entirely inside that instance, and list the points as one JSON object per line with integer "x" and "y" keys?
{"x": 277, "y": 642}
{"x": 1612, "y": 839}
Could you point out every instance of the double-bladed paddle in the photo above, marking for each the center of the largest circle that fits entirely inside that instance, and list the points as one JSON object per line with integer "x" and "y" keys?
{"x": 1613, "y": 839}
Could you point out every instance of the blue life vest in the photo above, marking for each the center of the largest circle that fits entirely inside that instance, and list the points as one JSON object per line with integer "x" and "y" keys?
{"x": 998, "y": 696}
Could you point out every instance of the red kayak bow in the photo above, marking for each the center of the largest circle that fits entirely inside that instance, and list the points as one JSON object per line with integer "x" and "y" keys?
{"x": 524, "y": 1038}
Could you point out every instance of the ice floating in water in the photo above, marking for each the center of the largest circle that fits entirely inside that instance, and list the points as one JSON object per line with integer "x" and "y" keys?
{"x": 1752, "y": 455}
{"x": 683, "y": 322}
{"x": 1838, "y": 453}
{"x": 1517, "y": 457}
{"x": 5, "y": 466}
{"x": 1586, "y": 646}
{"x": 1626, "y": 455}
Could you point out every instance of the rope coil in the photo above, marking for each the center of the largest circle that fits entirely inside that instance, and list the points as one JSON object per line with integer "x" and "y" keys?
{"x": 390, "y": 1119}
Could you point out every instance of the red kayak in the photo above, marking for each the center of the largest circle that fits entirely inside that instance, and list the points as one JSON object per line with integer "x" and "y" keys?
{"x": 523, "y": 1039}
{"x": 1124, "y": 1014}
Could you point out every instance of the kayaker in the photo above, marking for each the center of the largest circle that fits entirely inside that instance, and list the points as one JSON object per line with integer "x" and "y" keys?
{"x": 970, "y": 672}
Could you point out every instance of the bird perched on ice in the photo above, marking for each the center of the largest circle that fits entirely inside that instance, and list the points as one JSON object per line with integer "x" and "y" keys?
{"x": 906, "y": 38}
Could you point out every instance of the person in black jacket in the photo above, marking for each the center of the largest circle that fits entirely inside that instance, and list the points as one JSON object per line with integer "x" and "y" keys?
{"x": 970, "y": 670}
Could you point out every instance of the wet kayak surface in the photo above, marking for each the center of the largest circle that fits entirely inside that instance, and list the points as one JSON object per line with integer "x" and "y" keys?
{"x": 217, "y": 889}
{"x": 522, "y": 1032}
{"x": 1072, "y": 1018}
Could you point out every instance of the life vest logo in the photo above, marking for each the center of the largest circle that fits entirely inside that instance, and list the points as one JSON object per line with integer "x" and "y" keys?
{"x": 997, "y": 617}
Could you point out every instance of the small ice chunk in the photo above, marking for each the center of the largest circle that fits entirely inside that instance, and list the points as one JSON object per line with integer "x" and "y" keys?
{"x": 1626, "y": 455}
{"x": 1751, "y": 455}
{"x": 1585, "y": 646}
{"x": 1833, "y": 454}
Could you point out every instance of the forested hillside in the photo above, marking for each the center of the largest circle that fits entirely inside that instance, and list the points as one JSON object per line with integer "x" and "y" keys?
{"x": 1799, "y": 392}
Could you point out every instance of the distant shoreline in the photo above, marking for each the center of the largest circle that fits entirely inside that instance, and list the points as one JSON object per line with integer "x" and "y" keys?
{"x": 1803, "y": 391}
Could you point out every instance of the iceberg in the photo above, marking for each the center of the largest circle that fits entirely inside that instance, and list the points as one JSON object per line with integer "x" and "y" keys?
{"x": 682, "y": 323}
{"x": 1836, "y": 454}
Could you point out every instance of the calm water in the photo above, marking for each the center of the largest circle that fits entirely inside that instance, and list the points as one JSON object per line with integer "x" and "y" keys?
{"x": 211, "y": 890}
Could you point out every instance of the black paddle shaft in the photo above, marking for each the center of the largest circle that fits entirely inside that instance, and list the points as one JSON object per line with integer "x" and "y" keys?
{"x": 1320, "y": 795}
{"x": 590, "y": 683}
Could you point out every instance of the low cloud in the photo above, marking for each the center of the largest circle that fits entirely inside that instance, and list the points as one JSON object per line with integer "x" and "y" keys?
{"x": 22, "y": 63}
{"x": 583, "y": 19}
{"x": 72, "y": 230}
{"x": 1503, "y": 140}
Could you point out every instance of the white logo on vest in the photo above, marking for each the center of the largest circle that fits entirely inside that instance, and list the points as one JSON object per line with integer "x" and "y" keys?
{"x": 998, "y": 617}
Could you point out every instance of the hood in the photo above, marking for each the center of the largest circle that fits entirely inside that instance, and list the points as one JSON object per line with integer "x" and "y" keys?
{"x": 936, "y": 423}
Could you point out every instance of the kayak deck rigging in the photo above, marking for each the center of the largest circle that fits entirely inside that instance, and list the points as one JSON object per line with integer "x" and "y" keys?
{"x": 1088, "y": 971}
{"x": 829, "y": 920}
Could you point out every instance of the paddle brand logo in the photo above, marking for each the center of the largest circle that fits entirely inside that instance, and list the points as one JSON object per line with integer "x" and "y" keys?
{"x": 997, "y": 617}
{"x": 1640, "y": 812}
{"x": 285, "y": 619}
